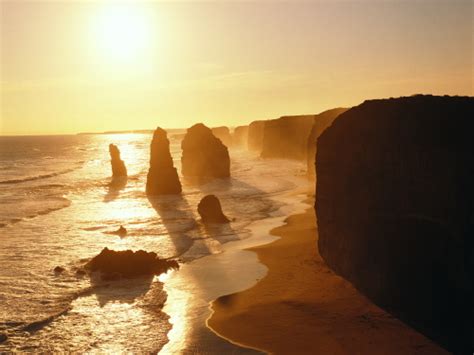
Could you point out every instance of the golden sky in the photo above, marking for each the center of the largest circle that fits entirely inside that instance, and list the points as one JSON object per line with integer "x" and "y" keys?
{"x": 75, "y": 66}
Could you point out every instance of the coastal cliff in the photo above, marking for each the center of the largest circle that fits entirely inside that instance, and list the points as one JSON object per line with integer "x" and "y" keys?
{"x": 223, "y": 134}
{"x": 321, "y": 121}
{"x": 286, "y": 137}
{"x": 240, "y": 136}
{"x": 204, "y": 155}
{"x": 255, "y": 135}
{"x": 394, "y": 203}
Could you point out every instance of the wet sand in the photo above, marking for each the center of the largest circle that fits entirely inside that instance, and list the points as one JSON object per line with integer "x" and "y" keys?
{"x": 302, "y": 307}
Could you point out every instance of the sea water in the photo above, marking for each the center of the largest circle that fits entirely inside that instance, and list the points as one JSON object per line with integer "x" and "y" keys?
{"x": 59, "y": 207}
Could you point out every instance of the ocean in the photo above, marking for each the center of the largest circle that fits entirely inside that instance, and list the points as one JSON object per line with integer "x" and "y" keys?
{"x": 59, "y": 207}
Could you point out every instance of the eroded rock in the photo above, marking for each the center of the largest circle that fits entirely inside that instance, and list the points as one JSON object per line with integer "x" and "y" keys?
{"x": 210, "y": 210}
{"x": 118, "y": 166}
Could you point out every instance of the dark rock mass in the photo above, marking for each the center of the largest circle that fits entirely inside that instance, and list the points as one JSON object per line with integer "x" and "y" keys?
{"x": 162, "y": 176}
{"x": 3, "y": 337}
{"x": 210, "y": 210}
{"x": 286, "y": 137}
{"x": 118, "y": 166}
{"x": 395, "y": 209}
{"x": 240, "y": 136}
{"x": 204, "y": 155}
{"x": 255, "y": 135}
{"x": 129, "y": 264}
{"x": 223, "y": 134}
{"x": 321, "y": 122}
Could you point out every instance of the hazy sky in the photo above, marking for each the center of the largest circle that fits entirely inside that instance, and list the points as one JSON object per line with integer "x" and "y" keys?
{"x": 71, "y": 66}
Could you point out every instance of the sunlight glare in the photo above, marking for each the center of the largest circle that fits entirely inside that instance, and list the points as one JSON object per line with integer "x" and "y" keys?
{"x": 125, "y": 32}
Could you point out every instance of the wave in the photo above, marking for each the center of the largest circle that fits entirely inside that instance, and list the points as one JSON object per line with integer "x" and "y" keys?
{"x": 37, "y": 177}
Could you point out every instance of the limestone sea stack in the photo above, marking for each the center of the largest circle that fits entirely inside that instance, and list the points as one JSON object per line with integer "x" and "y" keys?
{"x": 395, "y": 209}
{"x": 162, "y": 176}
{"x": 223, "y": 134}
{"x": 321, "y": 122}
{"x": 204, "y": 155}
{"x": 286, "y": 137}
{"x": 240, "y": 136}
{"x": 118, "y": 166}
{"x": 255, "y": 135}
{"x": 210, "y": 210}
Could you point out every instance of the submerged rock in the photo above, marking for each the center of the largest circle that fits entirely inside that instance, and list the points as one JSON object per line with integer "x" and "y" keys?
{"x": 395, "y": 209}
{"x": 210, "y": 210}
{"x": 113, "y": 264}
{"x": 118, "y": 166}
{"x": 321, "y": 122}
{"x": 204, "y": 155}
{"x": 223, "y": 134}
{"x": 162, "y": 178}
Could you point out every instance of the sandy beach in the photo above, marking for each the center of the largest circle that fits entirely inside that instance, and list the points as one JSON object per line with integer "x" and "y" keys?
{"x": 302, "y": 307}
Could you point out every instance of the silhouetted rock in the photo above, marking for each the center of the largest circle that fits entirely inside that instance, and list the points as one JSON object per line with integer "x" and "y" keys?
{"x": 210, "y": 210}
{"x": 240, "y": 136}
{"x": 114, "y": 264}
{"x": 395, "y": 209}
{"x": 3, "y": 337}
{"x": 162, "y": 178}
{"x": 255, "y": 135}
{"x": 223, "y": 134}
{"x": 118, "y": 166}
{"x": 122, "y": 231}
{"x": 321, "y": 122}
{"x": 204, "y": 155}
{"x": 286, "y": 137}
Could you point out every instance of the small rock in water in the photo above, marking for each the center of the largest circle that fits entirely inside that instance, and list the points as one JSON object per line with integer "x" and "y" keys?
{"x": 59, "y": 269}
{"x": 210, "y": 210}
{"x": 121, "y": 231}
{"x": 3, "y": 337}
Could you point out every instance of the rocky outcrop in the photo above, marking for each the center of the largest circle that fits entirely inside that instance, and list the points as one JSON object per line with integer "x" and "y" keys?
{"x": 286, "y": 137}
{"x": 129, "y": 264}
{"x": 395, "y": 209}
{"x": 240, "y": 136}
{"x": 210, "y": 210}
{"x": 223, "y": 134}
{"x": 321, "y": 122}
{"x": 162, "y": 176}
{"x": 118, "y": 166}
{"x": 204, "y": 155}
{"x": 255, "y": 135}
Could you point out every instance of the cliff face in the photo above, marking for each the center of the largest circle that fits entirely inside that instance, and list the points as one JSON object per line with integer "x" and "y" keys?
{"x": 240, "y": 135}
{"x": 321, "y": 122}
{"x": 118, "y": 166}
{"x": 394, "y": 203}
{"x": 223, "y": 134}
{"x": 162, "y": 176}
{"x": 255, "y": 135}
{"x": 204, "y": 155}
{"x": 286, "y": 137}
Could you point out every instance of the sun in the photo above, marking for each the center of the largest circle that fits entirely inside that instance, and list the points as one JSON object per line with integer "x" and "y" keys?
{"x": 125, "y": 32}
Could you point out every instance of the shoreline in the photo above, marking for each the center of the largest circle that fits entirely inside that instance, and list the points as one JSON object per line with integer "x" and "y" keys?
{"x": 302, "y": 300}
{"x": 193, "y": 288}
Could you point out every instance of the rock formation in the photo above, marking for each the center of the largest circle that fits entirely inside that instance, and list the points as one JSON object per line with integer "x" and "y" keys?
{"x": 395, "y": 209}
{"x": 210, "y": 210}
{"x": 255, "y": 135}
{"x": 162, "y": 176}
{"x": 129, "y": 264}
{"x": 240, "y": 136}
{"x": 118, "y": 166}
{"x": 286, "y": 137}
{"x": 204, "y": 155}
{"x": 223, "y": 134}
{"x": 321, "y": 122}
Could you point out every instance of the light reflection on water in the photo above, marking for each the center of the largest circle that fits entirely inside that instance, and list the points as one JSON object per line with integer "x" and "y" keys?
{"x": 117, "y": 317}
